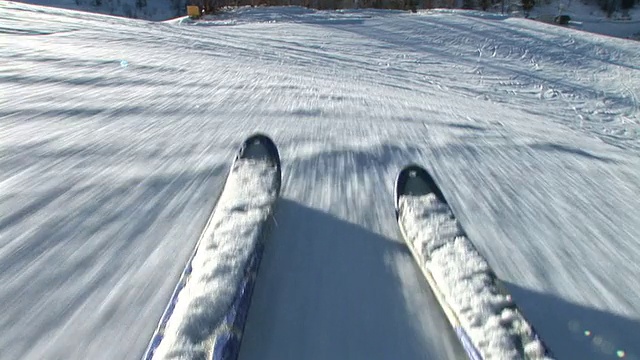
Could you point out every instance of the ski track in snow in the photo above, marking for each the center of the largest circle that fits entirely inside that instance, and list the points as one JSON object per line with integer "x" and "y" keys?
{"x": 116, "y": 136}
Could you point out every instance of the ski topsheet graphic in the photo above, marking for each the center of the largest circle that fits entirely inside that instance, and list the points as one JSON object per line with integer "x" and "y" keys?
{"x": 486, "y": 320}
{"x": 206, "y": 314}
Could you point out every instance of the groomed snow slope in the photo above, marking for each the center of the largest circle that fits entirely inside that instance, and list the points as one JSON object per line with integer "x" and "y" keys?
{"x": 116, "y": 136}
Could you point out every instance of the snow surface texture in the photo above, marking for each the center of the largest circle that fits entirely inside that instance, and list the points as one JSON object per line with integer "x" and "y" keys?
{"x": 220, "y": 262}
{"x": 587, "y": 17}
{"x": 116, "y": 136}
{"x": 464, "y": 281}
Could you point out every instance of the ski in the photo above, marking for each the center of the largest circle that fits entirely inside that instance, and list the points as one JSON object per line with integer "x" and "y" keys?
{"x": 207, "y": 311}
{"x": 478, "y": 307}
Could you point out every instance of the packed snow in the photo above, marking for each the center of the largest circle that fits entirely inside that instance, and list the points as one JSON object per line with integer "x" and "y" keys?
{"x": 116, "y": 136}
{"x": 585, "y": 15}
{"x": 464, "y": 282}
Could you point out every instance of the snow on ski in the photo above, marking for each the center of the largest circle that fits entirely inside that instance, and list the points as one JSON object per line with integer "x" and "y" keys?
{"x": 206, "y": 314}
{"x": 486, "y": 320}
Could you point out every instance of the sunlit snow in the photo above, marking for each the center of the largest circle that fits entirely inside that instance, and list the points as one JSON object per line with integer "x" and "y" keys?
{"x": 116, "y": 136}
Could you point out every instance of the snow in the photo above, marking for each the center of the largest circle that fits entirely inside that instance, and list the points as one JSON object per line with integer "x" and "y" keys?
{"x": 116, "y": 137}
{"x": 587, "y": 17}
{"x": 220, "y": 261}
{"x": 464, "y": 282}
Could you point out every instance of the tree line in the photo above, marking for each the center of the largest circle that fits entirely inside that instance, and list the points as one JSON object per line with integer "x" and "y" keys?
{"x": 608, "y": 6}
{"x": 138, "y": 8}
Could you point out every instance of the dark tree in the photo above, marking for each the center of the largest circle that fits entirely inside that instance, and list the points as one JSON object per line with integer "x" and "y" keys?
{"x": 527, "y": 5}
{"x": 608, "y": 6}
{"x": 469, "y": 4}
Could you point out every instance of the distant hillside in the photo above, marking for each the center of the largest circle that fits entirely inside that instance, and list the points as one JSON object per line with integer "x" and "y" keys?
{"x": 139, "y": 9}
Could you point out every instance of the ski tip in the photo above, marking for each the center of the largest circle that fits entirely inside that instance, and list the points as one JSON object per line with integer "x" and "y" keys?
{"x": 259, "y": 147}
{"x": 415, "y": 180}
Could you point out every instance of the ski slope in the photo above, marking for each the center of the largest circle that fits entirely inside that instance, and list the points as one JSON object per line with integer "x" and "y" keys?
{"x": 116, "y": 136}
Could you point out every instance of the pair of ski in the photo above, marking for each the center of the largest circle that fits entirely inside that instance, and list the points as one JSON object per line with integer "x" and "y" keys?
{"x": 206, "y": 314}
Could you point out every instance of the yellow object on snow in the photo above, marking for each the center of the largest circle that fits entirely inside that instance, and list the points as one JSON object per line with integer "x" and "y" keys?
{"x": 193, "y": 11}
